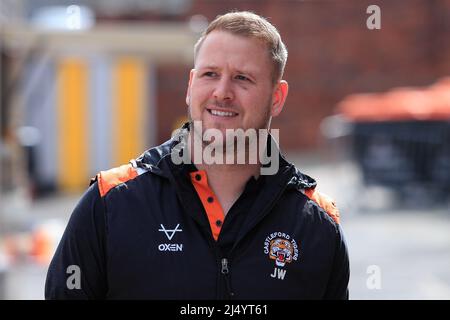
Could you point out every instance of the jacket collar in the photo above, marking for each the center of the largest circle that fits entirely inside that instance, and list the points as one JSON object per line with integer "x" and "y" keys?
{"x": 155, "y": 161}
{"x": 158, "y": 161}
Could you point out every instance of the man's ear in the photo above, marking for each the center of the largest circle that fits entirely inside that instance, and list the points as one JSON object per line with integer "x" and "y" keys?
{"x": 279, "y": 97}
{"x": 188, "y": 91}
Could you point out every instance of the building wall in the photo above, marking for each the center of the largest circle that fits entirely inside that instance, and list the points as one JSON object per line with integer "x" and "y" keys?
{"x": 331, "y": 54}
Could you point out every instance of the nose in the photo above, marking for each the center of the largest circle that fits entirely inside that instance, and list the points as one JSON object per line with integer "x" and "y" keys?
{"x": 223, "y": 90}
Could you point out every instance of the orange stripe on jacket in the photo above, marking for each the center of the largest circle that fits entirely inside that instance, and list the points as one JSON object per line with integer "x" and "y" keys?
{"x": 113, "y": 177}
{"x": 325, "y": 202}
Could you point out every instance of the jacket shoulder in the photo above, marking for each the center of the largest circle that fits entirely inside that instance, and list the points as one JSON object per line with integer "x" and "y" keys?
{"x": 111, "y": 178}
{"x": 325, "y": 202}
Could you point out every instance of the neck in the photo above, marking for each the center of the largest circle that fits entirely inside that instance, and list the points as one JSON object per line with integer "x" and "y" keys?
{"x": 235, "y": 174}
{"x": 228, "y": 180}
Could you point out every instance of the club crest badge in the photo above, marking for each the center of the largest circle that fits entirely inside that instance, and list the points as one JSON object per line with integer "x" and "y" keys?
{"x": 281, "y": 248}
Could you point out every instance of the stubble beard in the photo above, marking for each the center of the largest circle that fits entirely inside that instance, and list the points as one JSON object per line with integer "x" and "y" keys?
{"x": 231, "y": 142}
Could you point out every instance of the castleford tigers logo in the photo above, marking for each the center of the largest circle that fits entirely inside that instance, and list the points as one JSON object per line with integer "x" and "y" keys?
{"x": 281, "y": 248}
{"x": 281, "y": 251}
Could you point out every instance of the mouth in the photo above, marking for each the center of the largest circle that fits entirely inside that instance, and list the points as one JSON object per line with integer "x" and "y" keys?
{"x": 222, "y": 113}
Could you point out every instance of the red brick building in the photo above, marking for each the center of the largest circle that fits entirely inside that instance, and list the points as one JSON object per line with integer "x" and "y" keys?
{"x": 332, "y": 53}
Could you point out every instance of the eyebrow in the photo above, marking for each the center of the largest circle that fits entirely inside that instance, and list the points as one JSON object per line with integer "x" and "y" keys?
{"x": 213, "y": 67}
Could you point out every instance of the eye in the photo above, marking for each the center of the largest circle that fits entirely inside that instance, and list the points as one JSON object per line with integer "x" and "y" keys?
{"x": 209, "y": 74}
{"x": 241, "y": 77}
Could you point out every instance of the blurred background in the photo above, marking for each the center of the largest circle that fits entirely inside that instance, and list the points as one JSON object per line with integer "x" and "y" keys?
{"x": 89, "y": 85}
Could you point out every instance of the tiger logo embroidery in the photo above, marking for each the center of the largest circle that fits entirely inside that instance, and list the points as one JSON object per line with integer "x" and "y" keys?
{"x": 281, "y": 248}
{"x": 281, "y": 251}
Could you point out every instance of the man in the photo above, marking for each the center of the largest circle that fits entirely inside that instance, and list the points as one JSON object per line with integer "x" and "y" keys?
{"x": 168, "y": 226}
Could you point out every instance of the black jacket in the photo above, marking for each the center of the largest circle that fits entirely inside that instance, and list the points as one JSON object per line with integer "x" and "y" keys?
{"x": 143, "y": 234}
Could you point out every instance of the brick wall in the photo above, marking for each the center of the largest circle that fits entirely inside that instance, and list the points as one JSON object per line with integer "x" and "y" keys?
{"x": 331, "y": 54}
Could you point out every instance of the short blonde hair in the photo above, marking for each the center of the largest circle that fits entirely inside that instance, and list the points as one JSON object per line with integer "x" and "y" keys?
{"x": 249, "y": 24}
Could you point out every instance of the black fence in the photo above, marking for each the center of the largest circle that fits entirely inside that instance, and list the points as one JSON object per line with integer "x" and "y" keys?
{"x": 404, "y": 154}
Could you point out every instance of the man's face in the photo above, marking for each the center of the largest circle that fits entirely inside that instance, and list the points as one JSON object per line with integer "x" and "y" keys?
{"x": 231, "y": 86}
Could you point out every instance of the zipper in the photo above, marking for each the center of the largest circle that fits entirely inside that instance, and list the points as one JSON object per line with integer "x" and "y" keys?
{"x": 225, "y": 267}
{"x": 225, "y": 270}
